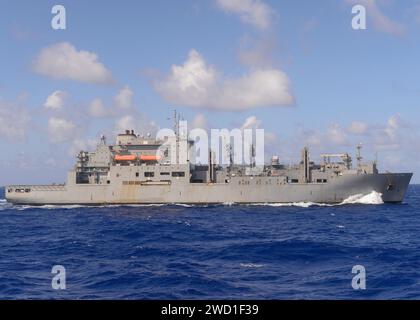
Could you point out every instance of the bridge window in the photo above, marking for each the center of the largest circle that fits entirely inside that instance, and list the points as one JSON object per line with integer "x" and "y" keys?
{"x": 178, "y": 174}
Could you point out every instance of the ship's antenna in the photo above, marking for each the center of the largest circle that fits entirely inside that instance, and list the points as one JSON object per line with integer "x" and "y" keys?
{"x": 103, "y": 139}
{"x": 359, "y": 156}
{"x": 176, "y": 129}
{"x": 252, "y": 154}
{"x": 175, "y": 123}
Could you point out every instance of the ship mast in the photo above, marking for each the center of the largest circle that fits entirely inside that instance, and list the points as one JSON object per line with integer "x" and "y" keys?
{"x": 359, "y": 156}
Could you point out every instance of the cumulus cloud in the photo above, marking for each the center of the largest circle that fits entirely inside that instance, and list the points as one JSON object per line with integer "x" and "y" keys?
{"x": 254, "y": 12}
{"x": 395, "y": 141}
{"x": 61, "y": 130}
{"x": 55, "y": 100}
{"x": 123, "y": 102}
{"x": 97, "y": 109}
{"x": 14, "y": 120}
{"x": 251, "y": 122}
{"x": 80, "y": 144}
{"x": 326, "y": 139}
{"x": 124, "y": 98}
{"x": 64, "y": 61}
{"x": 137, "y": 122}
{"x": 196, "y": 84}
{"x": 199, "y": 121}
{"x": 357, "y": 127}
{"x": 125, "y": 123}
{"x": 256, "y": 52}
{"x": 380, "y": 20}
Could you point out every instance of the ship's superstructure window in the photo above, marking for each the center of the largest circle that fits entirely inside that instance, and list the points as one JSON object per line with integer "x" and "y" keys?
{"x": 149, "y": 174}
{"x": 321, "y": 180}
{"x": 178, "y": 174}
{"x": 137, "y": 174}
{"x": 164, "y": 173}
{"x": 294, "y": 181}
{"x": 131, "y": 183}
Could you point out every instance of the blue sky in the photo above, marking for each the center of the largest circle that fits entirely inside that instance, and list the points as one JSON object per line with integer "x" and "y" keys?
{"x": 295, "y": 68}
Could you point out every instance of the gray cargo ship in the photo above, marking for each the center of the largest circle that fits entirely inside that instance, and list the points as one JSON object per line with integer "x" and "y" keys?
{"x": 132, "y": 171}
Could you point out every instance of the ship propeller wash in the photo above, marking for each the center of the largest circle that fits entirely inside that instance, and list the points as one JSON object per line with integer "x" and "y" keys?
{"x": 135, "y": 170}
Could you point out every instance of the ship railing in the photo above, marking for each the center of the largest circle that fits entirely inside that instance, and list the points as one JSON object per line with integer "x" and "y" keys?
{"x": 29, "y": 188}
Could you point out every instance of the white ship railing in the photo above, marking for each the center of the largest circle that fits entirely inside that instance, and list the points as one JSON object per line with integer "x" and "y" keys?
{"x": 60, "y": 187}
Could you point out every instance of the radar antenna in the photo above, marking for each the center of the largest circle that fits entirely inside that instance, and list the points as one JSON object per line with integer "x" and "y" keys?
{"x": 359, "y": 156}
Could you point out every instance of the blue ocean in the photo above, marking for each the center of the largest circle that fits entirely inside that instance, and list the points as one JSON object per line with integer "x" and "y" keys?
{"x": 295, "y": 251}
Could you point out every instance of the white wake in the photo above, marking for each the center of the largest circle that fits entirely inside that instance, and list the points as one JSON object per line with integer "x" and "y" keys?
{"x": 373, "y": 198}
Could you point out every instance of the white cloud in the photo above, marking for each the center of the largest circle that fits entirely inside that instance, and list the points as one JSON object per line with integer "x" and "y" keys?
{"x": 97, "y": 109}
{"x": 256, "y": 53}
{"x": 125, "y": 123}
{"x": 61, "y": 130}
{"x": 63, "y": 61}
{"x": 396, "y": 142}
{"x": 195, "y": 84}
{"x": 380, "y": 20}
{"x": 123, "y": 101}
{"x": 199, "y": 121}
{"x": 14, "y": 120}
{"x": 55, "y": 100}
{"x": 82, "y": 145}
{"x": 254, "y": 12}
{"x": 337, "y": 135}
{"x": 357, "y": 127}
{"x": 135, "y": 122}
{"x": 124, "y": 98}
{"x": 251, "y": 122}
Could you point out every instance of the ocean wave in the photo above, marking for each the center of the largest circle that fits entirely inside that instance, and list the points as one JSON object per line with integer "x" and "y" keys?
{"x": 373, "y": 198}
{"x": 292, "y": 204}
{"x": 251, "y": 265}
{"x": 113, "y": 256}
{"x": 81, "y": 206}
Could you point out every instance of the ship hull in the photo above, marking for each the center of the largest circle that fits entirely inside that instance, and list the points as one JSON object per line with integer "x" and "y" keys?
{"x": 392, "y": 187}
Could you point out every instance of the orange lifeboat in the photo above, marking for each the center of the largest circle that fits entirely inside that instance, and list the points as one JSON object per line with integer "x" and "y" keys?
{"x": 149, "y": 158}
{"x": 126, "y": 157}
